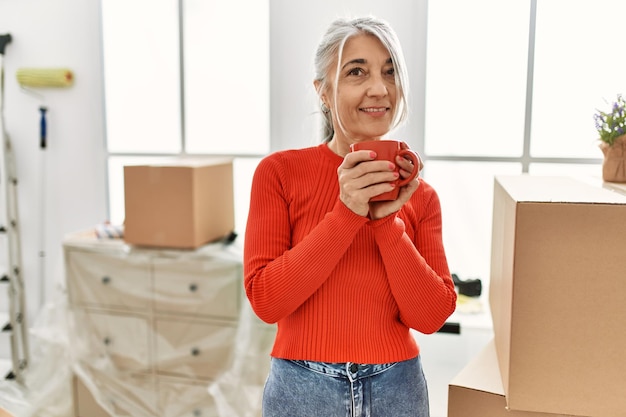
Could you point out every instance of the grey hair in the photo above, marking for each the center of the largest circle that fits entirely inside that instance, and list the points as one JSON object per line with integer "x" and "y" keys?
{"x": 331, "y": 47}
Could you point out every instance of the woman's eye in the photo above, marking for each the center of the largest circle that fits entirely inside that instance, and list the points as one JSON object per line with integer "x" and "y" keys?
{"x": 355, "y": 71}
{"x": 390, "y": 71}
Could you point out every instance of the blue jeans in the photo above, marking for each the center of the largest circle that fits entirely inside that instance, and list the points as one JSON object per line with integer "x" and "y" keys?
{"x": 317, "y": 389}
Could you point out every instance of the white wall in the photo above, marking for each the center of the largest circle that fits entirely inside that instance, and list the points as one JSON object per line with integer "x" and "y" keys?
{"x": 61, "y": 189}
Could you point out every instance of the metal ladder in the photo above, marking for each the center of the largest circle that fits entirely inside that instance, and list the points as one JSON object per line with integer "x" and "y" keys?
{"x": 15, "y": 322}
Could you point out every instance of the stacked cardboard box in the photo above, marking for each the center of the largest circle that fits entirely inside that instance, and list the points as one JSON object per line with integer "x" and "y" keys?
{"x": 180, "y": 203}
{"x": 477, "y": 391}
{"x": 558, "y": 301}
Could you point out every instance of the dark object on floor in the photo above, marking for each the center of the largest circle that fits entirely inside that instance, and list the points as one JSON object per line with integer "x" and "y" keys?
{"x": 471, "y": 287}
{"x": 450, "y": 327}
{"x": 230, "y": 238}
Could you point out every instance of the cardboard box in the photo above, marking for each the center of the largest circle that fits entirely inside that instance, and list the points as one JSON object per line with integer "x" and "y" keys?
{"x": 558, "y": 295}
{"x": 477, "y": 390}
{"x": 85, "y": 405}
{"x": 181, "y": 204}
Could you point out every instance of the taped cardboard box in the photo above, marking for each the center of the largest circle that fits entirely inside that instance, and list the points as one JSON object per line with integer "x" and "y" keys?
{"x": 477, "y": 390}
{"x": 558, "y": 295}
{"x": 182, "y": 203}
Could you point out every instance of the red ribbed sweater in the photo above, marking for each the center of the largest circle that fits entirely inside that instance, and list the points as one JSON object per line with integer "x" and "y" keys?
{"x": 341, "y": 288}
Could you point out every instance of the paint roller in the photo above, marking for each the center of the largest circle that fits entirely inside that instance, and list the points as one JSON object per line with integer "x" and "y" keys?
{"x": 44, "y": 77}
{"x": 29, "y": 78}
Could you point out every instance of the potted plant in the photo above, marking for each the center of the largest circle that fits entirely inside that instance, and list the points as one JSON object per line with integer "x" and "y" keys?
{"x": 611, "y": 126}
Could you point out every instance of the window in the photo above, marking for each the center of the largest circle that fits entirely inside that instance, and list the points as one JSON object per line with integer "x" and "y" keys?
{"x": 578, "y": 68}
{"x": 511, "y": 87}
{"x": 226, "y": 77}
{"x": 476, "y": 77}
{"x": 141, "y": 72}
{"x": 202, "y": 90}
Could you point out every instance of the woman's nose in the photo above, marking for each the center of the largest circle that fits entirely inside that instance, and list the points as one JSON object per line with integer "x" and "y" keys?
{"x": 376, "y": 87}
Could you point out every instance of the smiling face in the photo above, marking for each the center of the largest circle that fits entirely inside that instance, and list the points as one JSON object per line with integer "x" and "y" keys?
{"x": 364, "y": 102}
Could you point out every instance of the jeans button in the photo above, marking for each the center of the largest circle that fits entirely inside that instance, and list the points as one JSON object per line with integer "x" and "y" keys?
{"x": 354, "y": 367}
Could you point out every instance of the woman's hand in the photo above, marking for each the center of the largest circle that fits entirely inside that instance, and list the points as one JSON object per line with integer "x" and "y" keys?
{"x": 380, "y": 209}
{"x": 361, "y": 178}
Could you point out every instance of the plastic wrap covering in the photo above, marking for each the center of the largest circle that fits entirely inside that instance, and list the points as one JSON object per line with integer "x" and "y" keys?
{"x": 165, "y": 333}
{"x": 46, "y": 388}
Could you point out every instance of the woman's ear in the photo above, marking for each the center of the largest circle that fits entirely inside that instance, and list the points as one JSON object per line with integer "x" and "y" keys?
{"x": 317, "y": 84}
{"x": 318, "y": 87}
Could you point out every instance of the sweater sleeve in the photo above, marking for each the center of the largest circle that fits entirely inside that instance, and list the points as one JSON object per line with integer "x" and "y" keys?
{"x": 279, "y": 276}
{"x": 417, "y": 269}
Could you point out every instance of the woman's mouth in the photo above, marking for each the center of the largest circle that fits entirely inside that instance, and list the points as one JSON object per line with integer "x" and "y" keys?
{"x": 374, "y": 111}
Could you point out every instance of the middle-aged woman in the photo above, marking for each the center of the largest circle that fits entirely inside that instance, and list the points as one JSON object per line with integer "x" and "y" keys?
{"x": 344, "y": 278}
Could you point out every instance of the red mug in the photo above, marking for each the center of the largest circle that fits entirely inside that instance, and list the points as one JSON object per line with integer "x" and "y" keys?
{"x": 388, "y": 150}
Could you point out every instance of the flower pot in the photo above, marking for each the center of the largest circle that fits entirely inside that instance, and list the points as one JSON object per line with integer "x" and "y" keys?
{"x": 614, "y": 164}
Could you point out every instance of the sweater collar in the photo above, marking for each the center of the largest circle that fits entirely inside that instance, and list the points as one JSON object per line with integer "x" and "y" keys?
{"x": 330, "y": 155}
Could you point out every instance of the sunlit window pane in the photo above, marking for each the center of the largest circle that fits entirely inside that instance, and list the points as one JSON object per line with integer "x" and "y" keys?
{"x": 579, "y": 63}
{"x": 476, "y": 77}
{"x": 226, "y": 57}
{"x": 142, "y": 77}
{"x": 466, "y": 193}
